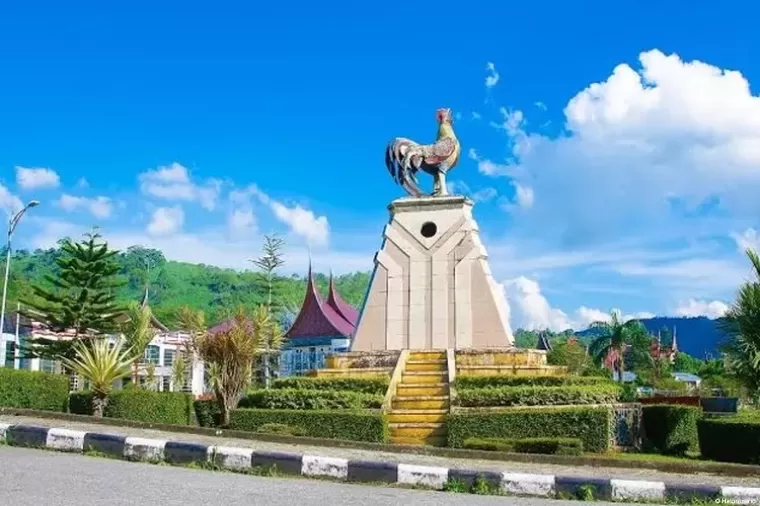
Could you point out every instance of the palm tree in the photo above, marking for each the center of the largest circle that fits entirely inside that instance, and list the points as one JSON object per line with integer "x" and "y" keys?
{"x": 138, "y": 332}
{"x": 101, "y": 364}
{"x": 741, "y": 327}
{"x": 609, "y": 347}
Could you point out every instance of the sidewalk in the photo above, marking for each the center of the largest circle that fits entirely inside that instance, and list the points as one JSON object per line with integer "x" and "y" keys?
{"x": 599, "y": 473}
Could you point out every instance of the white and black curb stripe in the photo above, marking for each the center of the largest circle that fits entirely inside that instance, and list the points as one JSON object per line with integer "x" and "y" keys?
{"x": 439, "y": 478}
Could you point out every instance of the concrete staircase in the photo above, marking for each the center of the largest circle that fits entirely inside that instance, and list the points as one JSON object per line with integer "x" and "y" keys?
{"x": 421, "y": 401}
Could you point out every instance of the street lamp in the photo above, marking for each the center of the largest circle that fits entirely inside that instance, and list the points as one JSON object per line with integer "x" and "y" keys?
{"x": 11, "y": 227}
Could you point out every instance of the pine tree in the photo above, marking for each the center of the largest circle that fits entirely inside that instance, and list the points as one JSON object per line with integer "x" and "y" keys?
{"x": 83, "y": 299}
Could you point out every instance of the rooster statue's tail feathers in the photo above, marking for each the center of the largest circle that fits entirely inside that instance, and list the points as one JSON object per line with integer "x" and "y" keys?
{"x": 398, "y": 160}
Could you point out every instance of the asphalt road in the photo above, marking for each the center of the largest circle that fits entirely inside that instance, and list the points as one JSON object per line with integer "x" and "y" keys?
{"x": 35, "y": 477}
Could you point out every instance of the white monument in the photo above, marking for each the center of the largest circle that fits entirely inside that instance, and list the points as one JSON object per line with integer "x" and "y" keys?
{"x": 431, "y": 287}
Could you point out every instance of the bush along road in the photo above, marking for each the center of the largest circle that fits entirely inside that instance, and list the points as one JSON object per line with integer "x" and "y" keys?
{"x": 314, "y": 466}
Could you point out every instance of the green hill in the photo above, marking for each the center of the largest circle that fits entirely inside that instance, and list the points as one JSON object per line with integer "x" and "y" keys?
{"x": 173, "y": 284}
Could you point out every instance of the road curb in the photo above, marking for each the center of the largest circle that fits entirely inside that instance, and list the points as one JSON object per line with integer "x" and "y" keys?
{"x": 437, "y": 478}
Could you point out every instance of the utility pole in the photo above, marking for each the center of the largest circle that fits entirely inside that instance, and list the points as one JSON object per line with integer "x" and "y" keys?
{"x": 11, "y": 227}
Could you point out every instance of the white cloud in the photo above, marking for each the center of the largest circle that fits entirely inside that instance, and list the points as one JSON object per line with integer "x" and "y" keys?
{"x": 241, "y": 222}
{"x": 9, "y": 203}
{"x": 492, "y": 77}
{"x": 484, "y": 194}
{"x": 668, "y": 131}
{"x": 476, "y": 115}
{"x": 531, "y": 310}
{"x": 100, "y": 207}
{"x": 489, "y": 167}
{"x": 166, "y": 221}
{"x": 749, "y": 239}
{"x": 82, "y": 183}
{"x": 694, "y": 307}
{"x": 173, "y": 183}
{"x": 540, "y": 105}
{"x": 31, "y": 178}
{"x": 303, "y": 222}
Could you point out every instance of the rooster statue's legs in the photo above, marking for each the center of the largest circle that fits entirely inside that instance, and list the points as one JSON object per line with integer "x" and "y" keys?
{"x": 439, "y": 187}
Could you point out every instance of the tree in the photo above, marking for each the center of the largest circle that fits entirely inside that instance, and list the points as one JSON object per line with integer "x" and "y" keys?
{"x": 571, "y": 354}
{"x": 138, "y": 332}
{"x": 83, "y": 297}
{"x": 610, "y": 345}
{"x": 232, "y": 352}
{"x": 741, "y": 326}
{"x": 270, "y": 260}
{"x": 101, "y": 364}
{"x": 686, "y": 363}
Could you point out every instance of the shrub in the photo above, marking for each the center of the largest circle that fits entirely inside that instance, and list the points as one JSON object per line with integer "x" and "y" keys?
{"x": 33, "y": 390}
{"x": 730, "y": 439}
{"x": 139, "y": 405}
{"x": 282, "y": 429}
{"x": 527, "y": 381}
{"x": 544, "y": 445}
{"x": 310, "y": 399}
{"x": 323, "y": 424}
{"x": 375, "y": 386}
{"x": 207, "y": 412}
{"x": 671, "y": 429}
{"x": 592, "y": 425}
{"x": 537, "y": 396}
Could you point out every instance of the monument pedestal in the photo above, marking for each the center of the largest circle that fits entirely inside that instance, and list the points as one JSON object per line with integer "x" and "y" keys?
{"x": 431, "y": 287}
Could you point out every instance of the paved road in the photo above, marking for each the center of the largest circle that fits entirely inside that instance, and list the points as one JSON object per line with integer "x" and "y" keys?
{"x": 35, "y": 477}
{"x": 424, "y": 460}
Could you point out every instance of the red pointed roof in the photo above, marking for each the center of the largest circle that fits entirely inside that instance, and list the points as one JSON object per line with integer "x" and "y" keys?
{"x": 317, "y": 318}
{"x": 343, "y": 308}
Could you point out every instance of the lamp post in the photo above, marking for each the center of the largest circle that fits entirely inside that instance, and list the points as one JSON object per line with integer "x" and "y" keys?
{"x": 11, "y": 227}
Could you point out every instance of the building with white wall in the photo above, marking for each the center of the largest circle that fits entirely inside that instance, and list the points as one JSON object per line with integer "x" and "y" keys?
{"x": 159, "y": 357}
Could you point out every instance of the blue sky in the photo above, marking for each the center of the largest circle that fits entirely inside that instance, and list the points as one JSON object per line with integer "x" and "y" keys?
{"x": 612, "y": 151}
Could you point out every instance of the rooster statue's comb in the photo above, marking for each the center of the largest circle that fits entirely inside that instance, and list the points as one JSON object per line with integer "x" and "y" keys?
{"x": 443, "y": 114}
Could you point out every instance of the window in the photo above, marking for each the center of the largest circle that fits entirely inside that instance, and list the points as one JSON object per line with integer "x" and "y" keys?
{"x": 166, "y": 383}
{"x": 10, "y": 354}
{"x": 168, "y": 357}
{"x": 74, "y": 383}
{"x": 47, "y": 365}
{"x": 151, "y": 355}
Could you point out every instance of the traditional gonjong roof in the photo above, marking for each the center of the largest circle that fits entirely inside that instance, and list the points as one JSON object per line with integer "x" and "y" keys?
{"x": 154, "y": 321}
{"x": 320, "y": 318}
{"x": 340, "y": 306}
{"x": 543, "y": 343}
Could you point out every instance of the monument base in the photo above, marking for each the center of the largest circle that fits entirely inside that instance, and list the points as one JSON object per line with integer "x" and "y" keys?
{"x": 432, "y": 288}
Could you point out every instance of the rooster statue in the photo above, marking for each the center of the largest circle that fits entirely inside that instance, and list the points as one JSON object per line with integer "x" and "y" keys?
{"x": 404, "y": 158}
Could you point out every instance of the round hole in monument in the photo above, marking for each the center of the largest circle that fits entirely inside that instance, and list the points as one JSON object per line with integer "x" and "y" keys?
{"x": 428, "y": 229}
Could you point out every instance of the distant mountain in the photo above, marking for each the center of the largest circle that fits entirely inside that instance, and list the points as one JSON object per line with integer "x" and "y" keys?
{"x": 700, "y": 336}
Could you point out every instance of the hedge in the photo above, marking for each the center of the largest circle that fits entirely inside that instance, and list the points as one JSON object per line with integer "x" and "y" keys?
{"x": 376, "y": 386}
{"x": 33, "y": 390}
{"x": 139, "y": 405}
{"x": 310, "y": 399}
{"x": 592, "y": 425}
{"x": 543, "y": 445}
{"x": 730, "y": 439}
{"x": 671, "y": 429}
{"x": 537, "y": 396}
{"x": 351, "y": 426}
{"x": 528, "y": 381}
{"x": 207, "y": 413}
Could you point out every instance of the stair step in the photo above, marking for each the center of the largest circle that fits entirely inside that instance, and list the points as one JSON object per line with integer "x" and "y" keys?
{"x": 420, "y": 389}
{"x": 426, "y": 365}
{"x": 424, "y": 377}
{"x": 427, "y": 355}
{"x": 417, "y": 432}
{"x": 417, "y": 416}
{"x": 410, "y": 441}
{"x": 420, "y": 402}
